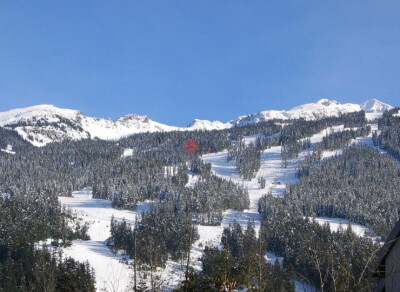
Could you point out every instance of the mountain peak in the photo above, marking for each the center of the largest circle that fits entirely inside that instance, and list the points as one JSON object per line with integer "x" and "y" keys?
{"x": 375, "y": 106}
{"x": 327, "y": 102}
{"x": 134, "y": 117}
{"x": 48, "y": 111}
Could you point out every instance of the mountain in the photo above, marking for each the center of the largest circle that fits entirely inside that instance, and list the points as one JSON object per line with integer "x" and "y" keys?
{"x": 311, "y": 111}
{"x": 375, "y": 106}
{"x": 44, "y": 124}
{"x": 10, "y": 140}
{"x": 209, "y": 125}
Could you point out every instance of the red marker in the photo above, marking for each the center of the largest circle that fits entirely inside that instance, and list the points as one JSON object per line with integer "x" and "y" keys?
{"x": 191, "y": 146}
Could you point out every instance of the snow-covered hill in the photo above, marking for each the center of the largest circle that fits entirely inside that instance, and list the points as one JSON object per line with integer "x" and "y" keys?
{"x": 44, "y": 124}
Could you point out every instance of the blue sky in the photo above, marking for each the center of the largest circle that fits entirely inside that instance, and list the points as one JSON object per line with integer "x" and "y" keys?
{"x": 179, "y": 60}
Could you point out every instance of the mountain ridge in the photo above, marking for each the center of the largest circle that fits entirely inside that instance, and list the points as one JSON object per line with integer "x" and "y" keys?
{"x": 42, "y": 124}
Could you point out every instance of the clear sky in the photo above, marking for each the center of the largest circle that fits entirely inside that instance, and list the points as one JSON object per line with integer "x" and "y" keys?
{"x": 210, "y": 59}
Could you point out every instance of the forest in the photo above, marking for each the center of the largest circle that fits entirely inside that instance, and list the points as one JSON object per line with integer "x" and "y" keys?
{"x": 359, "y": 184}
{"x": 331, "y": 261}
{"x": 25, "y": 265}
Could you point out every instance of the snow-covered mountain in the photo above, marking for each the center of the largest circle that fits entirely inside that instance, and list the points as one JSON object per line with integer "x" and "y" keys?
{"x": 44, "y": 124}
{"x": 375, "y": 106}
{"x": 311, "y": 111}
{"x": 209, "y": 125}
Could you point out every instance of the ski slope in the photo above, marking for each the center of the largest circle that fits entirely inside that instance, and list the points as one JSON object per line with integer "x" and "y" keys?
{"x": 272, "y": 170}
{"x": 112, "y": 270}
{"x": 276, "y": 176}
{"x": 111, "y": 273}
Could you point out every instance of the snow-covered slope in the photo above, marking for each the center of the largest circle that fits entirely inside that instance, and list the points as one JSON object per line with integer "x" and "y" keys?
{"x": 44, "y": 124}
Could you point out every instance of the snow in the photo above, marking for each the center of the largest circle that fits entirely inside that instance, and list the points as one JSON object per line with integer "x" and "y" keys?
{"x": 84, "y": 127}
{"x": 272, "y": 170}
{"x": 114, "y": 275}
{"x": 252, "y": 139}
{"x": 335, "y": 223}
{"x": 193, "y": 179}
{"x": 107, "y": 129}
{"x": 320, "y": 109}
{"x": 332, "y": 153}
{"x": 208, "y": 125}
{"x": 90, "y": 127}
{"x": 98, "y": 213}
{"x": 127, "y": 152}
{"x": 111, "y": 273}
{"x": 271, "y": 257}
{"x": 372, "y": 116}
{"x": 8, "y": 150}
{"x": 28, "y": 113}
{"x": 276, "y": 176}
{"x": 366, "y": 140}
{"x": 375, "y": 106}
{"x": 170, "y": 170}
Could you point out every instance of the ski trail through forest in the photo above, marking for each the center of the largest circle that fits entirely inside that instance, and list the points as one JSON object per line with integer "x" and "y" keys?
{"x": 271, "y": 169}
{"x": 277, "y": 177}
{"x": 113, "y": 272}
